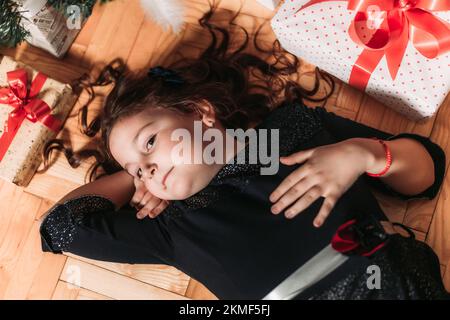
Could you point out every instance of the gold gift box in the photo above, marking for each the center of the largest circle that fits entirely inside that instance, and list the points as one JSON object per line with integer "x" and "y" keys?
{"x": 23, "y": 156}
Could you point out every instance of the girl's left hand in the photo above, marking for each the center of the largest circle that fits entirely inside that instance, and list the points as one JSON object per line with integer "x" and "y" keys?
{"x": 145, "y": 202}
{"x": 328, "y": 172}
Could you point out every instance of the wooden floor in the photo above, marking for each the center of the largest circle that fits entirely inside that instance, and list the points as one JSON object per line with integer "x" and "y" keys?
{"x": 119, "y": 29}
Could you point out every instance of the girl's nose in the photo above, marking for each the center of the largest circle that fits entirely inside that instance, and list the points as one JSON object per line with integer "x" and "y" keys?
{"x": 149, "y": 170}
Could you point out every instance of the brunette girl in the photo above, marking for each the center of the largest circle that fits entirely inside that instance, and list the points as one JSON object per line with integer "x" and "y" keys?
{"x": 243, "y": 234}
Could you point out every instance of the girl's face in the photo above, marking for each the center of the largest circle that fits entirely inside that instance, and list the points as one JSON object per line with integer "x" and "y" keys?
{"x": 142, "y": 145}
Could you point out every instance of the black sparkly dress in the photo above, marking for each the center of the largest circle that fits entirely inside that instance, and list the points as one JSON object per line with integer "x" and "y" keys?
{"x": 226, "y": 237}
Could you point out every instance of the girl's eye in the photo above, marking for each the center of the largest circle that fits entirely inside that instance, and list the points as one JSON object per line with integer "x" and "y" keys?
{"x": 139, "y": 173}
{"x": 150, "y": 142}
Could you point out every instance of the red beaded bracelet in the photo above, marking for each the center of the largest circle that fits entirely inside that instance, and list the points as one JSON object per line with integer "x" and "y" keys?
{"x": 388, "y": 160}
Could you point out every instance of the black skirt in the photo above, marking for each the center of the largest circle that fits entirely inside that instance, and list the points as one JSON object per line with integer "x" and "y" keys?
{"x": 407, "y": 269}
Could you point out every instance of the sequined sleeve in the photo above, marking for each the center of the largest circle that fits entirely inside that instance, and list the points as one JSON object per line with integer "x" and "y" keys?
{"x": 342, "y": 129}
{"x": 297, "y": 125}
{"x": 90, "y": 226}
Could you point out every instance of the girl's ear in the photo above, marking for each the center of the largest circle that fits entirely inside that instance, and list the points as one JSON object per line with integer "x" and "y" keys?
{"x": 207, "y": 113}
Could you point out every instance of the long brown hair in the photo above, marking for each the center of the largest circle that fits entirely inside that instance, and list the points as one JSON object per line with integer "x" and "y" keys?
{"x": 241, "y": 86}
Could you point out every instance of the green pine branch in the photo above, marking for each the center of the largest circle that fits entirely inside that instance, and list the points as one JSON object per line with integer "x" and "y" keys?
{"x": 11, "y": 30}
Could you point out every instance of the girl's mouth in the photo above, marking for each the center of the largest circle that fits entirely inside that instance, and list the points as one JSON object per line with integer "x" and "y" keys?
{"x": 163, "y": 181}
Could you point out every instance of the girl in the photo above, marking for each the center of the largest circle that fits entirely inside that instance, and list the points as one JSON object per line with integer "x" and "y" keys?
{"x": 221, "y": 223}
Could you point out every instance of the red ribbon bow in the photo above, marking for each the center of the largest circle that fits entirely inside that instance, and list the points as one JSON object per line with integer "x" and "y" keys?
{"x": 25, "y": 105}
{"x": 384, "y": 28}
{"x": 345, "y": 241}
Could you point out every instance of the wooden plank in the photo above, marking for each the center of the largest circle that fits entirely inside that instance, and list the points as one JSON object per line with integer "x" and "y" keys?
{"x": 18, "y": 217}
{"x": 46, "y": 276}
{"x": 350, "y": 98}
{"x": 197, "y": 291}
{"x": 370, "y": 112}
{"x": 342, "y": 112}
{"x": 394, "y": 208}
{"x": 158, "y": 275}
{"x": 111, "y": 284}
{"x": 50, "y": 188}
{"x": 11, "y": 195}
{"x": 143, "y": 55}
{"x": 104, "y": 33}
{"x": 67, "y": 291}
{"x": 420, "y": 213}
{"x": 62, "y": 70}
{"x": 115, "y": 34}
{"x": 24, "y": 270}
{"x": 78, "y": 48}
{"x": 32, "y": 274}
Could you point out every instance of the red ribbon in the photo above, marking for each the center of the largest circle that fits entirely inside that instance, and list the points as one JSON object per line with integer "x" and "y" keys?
{"x": 384, "y": 28}
{"x": 25, "y": 105}
{"x": 345, "y": 241}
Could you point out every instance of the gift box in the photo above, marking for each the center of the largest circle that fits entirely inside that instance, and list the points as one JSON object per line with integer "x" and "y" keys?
{"x": 33, "y": 108}
{"x": 395, "y": 50}
{"x": 49, "y": 28}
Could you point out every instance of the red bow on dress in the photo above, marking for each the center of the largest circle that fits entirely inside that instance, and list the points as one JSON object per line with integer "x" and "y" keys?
{"x": 347, "y": 241}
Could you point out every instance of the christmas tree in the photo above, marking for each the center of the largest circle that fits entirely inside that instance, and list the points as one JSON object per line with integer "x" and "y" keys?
{"x": 12, "y": 31}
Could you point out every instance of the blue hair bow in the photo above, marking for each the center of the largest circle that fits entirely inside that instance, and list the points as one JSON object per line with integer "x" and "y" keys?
{"x": 167, "y": 75}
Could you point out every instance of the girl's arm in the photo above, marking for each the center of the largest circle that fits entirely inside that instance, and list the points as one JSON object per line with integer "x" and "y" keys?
{"x": 412, "y": 169}
{"x": 417, "y": 170}
{"x": 117, "y": 187}
{"x": 91, "y": 221}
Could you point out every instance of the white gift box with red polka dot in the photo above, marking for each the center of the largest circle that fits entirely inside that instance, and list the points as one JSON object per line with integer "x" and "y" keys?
{"x": 319, "y": 35}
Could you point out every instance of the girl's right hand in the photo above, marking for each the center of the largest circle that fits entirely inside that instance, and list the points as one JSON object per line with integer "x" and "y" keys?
{"x": 145, "y": 202}
{"x": 328, "y": 171}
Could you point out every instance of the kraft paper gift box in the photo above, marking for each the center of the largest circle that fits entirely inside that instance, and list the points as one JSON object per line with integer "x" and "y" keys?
{"x": 50, "y": 29}
{"x": 395, "y": 50}
{"x": 21, "y": 148}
